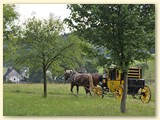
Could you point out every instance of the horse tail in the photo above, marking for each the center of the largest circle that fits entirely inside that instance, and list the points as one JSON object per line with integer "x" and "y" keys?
{"x": 91, "y": 86}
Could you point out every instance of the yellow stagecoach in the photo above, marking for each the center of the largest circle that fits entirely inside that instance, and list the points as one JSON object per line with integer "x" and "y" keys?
{"x": 114, "y": 79}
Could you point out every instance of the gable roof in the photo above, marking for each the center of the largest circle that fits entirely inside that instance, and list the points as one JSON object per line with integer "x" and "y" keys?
{"x": 8, "y": 71}
{"x": 11, "y": 72}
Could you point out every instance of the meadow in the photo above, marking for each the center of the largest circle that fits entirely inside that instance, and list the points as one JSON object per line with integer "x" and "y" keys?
{"x": 28, "y": 100}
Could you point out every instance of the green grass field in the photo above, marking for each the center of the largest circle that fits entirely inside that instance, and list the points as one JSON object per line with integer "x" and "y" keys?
{"x": 27, "y": 100}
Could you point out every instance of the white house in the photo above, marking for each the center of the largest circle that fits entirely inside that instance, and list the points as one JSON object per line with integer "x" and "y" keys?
{"x": 13, "y": 76}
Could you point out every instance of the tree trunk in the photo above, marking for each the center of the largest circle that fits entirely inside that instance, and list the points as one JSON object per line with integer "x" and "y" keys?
{"x": 44, "y": 81}
{"x": 124, "y": 96}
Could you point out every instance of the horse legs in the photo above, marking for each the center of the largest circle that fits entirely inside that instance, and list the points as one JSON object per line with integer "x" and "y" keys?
{"x": 77, "y": 89}
{"x": 90, "y": 93}
{"x": 72, "y": 85}
{"x": 87, "y": 90}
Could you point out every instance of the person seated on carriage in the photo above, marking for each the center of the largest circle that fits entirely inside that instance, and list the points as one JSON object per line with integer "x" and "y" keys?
{"x": 103, "y": 81}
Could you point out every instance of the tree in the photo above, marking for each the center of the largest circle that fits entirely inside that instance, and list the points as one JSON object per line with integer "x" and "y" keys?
{"x": 126, "y": 31}
{"x": 42, "y": 46}
{"x": 90, "y": 58}
{"x": 35, "y": 76}
{"x": 10, "y": 31}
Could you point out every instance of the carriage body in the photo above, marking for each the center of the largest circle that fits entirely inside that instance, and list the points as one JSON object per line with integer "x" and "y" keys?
{"x": 114, "y": 81}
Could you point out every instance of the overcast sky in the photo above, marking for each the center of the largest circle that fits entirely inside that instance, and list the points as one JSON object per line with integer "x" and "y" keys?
{"x": 42, "y": 10}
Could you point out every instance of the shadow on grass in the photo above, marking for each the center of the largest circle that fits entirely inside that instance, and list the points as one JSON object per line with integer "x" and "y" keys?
{"x": 108, "y": 94}
{"x": 25, "y": 92}
{"x": 70, "y": 94}
{"x": 50, "y": 93}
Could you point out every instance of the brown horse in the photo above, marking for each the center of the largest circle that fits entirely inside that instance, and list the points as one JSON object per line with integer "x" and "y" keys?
{"x": 80, "y": 79}
{"x": 95, "y": 77}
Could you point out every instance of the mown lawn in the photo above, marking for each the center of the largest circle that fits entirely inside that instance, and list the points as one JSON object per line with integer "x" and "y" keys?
{"x": 27, "y": 100}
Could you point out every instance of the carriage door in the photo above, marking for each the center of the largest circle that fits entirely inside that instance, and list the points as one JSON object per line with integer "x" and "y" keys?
{"x": 112, "y": 79}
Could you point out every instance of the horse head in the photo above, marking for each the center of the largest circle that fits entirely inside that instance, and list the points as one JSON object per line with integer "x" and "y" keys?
{"x": 67, "y": 74}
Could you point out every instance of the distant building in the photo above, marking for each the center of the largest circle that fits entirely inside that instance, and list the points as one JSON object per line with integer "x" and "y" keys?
{"x": 24, "y": 72}
{"x": 13, "y": 76}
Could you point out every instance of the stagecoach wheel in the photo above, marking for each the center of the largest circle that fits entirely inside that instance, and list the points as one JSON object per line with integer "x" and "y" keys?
{"x": 119, "y": 92}
{"x": 145, "y": 94}
{"x": 97, "y": 91}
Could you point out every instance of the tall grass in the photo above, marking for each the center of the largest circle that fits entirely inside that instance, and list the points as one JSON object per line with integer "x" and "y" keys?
{"x": 27, "y": 100}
